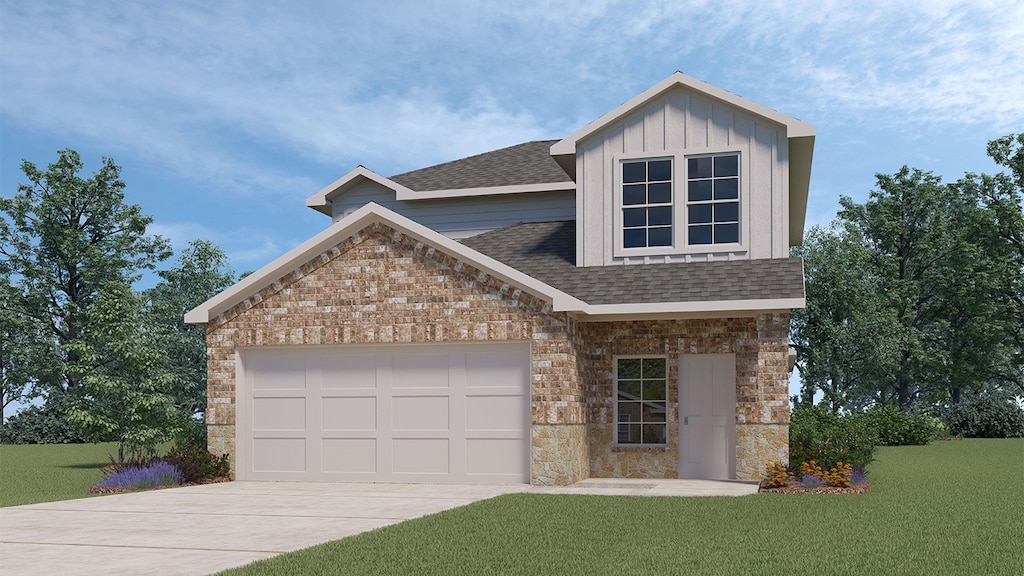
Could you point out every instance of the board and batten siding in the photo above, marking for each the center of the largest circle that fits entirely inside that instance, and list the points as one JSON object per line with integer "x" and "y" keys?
{"x": 467, "y": 216}
{"x": 683, "y": 122}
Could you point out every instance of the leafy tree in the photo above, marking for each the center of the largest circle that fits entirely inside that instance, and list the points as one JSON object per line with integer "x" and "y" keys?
{"x": 914, "y": 297}
{"x": 201, "y": 271}
{"x": 844, "y": 337}
{"x": 127, "y": 397}
{"x": 62, "y": 238}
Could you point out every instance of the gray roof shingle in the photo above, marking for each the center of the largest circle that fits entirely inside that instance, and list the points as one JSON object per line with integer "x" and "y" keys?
{"x": 527, "y": 163}
{"x": 547, "y": 251}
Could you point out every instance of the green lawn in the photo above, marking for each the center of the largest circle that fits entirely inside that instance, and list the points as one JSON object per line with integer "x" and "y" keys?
{"x": 953, "y": 507}
{"x": 31, "y": 473}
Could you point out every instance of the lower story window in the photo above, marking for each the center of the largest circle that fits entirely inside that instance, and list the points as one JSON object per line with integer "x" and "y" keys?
{"x": 641, "y": 389}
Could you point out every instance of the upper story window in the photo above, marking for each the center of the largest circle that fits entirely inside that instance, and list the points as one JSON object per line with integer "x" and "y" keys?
{"x": 706, "y": 214}
{"x": 647, "y": 203}
{"x": 713, "y": 199}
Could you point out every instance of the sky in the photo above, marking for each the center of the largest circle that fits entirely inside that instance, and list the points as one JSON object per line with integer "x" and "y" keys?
{"x": 226, "y": 115}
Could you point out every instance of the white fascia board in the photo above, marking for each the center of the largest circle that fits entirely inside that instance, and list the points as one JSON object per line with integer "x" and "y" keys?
{"x": 351, "y": 224}
{"x": 673, "y": 310}
{"x": 486, "y": 191}
{"x": 321, "y": 201}
{"x": 794, "y": 128}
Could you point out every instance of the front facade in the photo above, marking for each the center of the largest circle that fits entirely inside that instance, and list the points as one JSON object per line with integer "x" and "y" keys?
{"x": 613, "y": 304}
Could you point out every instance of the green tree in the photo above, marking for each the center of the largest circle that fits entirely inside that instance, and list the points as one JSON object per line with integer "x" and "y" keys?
{"x": 126, "y": 397}
{"x": 201, "y": 271}
{"x": 844, "y": 337}
{"x": 62, "y": 238}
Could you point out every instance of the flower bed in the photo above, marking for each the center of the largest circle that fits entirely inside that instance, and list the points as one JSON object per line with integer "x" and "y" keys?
{"x": 813, "y": 479}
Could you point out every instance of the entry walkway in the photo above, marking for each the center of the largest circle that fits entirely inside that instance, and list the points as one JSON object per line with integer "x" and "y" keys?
{"x": 204, "y": 529}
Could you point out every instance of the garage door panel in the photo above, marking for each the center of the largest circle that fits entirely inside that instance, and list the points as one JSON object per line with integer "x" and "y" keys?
{"x": 349, "y": 455}
{"x": 496, "y": 368}
{"x": 349, "y": 413}
{"x": 420, "y": 456}
{"x": 349, "y": 371}
{"x": 276, "y": 413}
{"x": 419, "y": 413}
{"x": 495, "y": 412}
{"x": 278, "y": 372}
{"x": 420, "y": 370}
{"x": 495, "y": 456}
{"x": 279, "y": 454}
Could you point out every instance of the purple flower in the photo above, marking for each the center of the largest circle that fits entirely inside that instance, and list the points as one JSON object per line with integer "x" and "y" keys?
{"x": 811, "y": 481}
{"x": 858, "y": 476}
{"x": 158, "y": 473}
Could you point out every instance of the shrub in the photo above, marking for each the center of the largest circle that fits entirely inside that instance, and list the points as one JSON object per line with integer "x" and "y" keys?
{"x": 897, "y": 428}
{"x": 776, "y": 475}
{"x": 810, "y": 481}
{"x": 157, "y": 473}
{"x": 46, "y": 424}
{"x": 198, "y": 464}
{"x": 817, "y": 434}
{"x": 986, "y": 415}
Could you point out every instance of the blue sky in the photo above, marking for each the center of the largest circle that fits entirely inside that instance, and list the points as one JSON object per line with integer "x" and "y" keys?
{"x": 226, "y": 115}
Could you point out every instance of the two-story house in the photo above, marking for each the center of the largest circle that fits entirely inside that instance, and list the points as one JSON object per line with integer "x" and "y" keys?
{"x": 612, "y": 304}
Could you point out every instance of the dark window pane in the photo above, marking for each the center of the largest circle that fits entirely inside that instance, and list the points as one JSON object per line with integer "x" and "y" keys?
{"x": 633, "y": 217}
{"x": 659, "y": 236}
{"x": 727, "y": 166}
{"x": 699, "y": 168}
{"x": 727, "y": 189}
{"x": 699, "y": 191}
{"x": 700, "y": 235}
{"x": 659, "y": 216}
{"x": 629, "y": 390}
{"x": 654, "y": 390}
{"x": 634, "y": 172}
{"x": 654, "y": 434}
{"x": 629, "y": 433}
{"x": 725, "y": 233}
{"x": 653, "y": 367}
{"x": 727, "y": 212}
{"x": 634, "y": 194}
{"x": 634, "y": 238}
{"x": 659, "y": 193}
{"x": 654, "y": 412}
{"x": 659, "y": 170}
{"x": 629, "y": 368}
{"x": 700, "y": 214}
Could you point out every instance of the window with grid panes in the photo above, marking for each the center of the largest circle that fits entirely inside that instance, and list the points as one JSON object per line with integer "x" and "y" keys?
{"x": 647, "y": 203}
{"x": 713, "y": 199}
{"x": 641, "y": 391}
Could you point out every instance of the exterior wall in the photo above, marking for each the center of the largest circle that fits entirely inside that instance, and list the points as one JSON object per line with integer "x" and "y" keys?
{"x": 762, "y": 406}
{"x": 464, "y": 217}
{"x": 685, "y": 122}
{"x": 380, "y": 286}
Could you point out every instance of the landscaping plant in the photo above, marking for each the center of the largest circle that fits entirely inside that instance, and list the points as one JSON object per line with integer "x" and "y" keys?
{"x": 157, "y": 473}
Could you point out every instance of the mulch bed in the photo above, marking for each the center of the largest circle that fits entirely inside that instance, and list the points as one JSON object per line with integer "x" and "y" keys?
{"x": 796, "y": 488}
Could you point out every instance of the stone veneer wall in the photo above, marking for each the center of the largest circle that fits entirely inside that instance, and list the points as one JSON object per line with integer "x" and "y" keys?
{"x": 380, "y": 286}
{"x": 762, "y": 387}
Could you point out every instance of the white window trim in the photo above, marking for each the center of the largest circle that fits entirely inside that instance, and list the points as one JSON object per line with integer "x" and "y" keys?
{"x": 615, "y": 399}
{"x": 680, "y": 222}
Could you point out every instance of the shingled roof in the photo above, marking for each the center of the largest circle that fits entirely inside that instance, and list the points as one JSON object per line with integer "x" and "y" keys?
{"x": 527, "y": 163}
{"x": 547, "y": 251}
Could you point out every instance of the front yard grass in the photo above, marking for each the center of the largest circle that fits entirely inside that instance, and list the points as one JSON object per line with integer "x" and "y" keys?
{"x": 31, "y": 473}
{"x": 952, "y": 507}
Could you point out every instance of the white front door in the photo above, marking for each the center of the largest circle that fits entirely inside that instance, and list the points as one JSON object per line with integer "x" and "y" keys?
{"x": 707, "y": 416}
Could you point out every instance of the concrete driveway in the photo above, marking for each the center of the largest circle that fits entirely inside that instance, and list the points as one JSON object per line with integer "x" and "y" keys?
{"x": 203, "y": 529}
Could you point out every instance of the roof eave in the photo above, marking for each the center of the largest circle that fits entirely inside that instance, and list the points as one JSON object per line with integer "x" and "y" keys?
{"x": 685, "y": 310}
{"x": 351, "y": 224}
{"x": 801, "y": 155}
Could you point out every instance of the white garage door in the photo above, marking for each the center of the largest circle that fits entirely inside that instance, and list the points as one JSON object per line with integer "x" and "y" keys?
{"x": 418, "y": 413}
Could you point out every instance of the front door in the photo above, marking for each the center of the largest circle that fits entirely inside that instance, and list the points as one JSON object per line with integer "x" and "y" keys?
{"x": 707, "y": 416}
